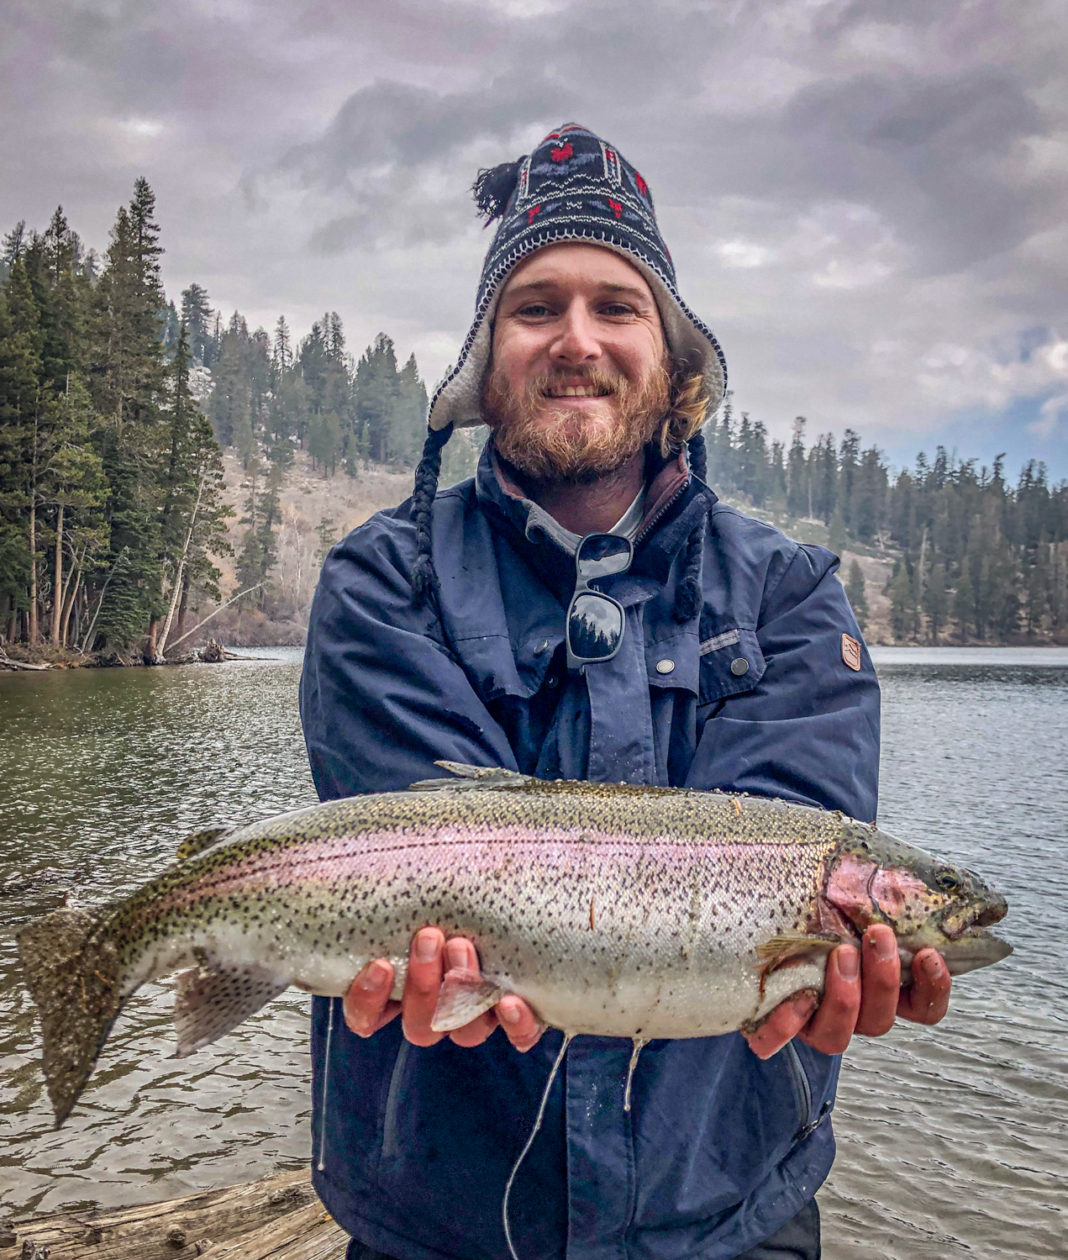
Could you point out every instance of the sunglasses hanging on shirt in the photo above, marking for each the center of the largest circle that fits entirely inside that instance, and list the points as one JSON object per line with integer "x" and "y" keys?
{"x": 595, "y": 621}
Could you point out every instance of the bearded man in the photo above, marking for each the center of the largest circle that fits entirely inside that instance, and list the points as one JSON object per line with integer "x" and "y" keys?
{"x": 440, "y": 630}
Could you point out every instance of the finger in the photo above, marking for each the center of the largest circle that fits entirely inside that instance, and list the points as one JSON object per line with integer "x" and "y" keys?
{"x": 831, "y": 1027}
{"x": 880, "y": 981}
{"x": 784, "y": 1023}
{"x": 927, "y": 1000}
{"x": 476, "y": 1032}
{"x": 421, "y": 988}
{"x": 366, "y": 1005}
{"x": 521, "y": 1026}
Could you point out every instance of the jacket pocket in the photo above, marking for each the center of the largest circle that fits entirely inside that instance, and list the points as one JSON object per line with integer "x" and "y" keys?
{"x": 731, "y": 662}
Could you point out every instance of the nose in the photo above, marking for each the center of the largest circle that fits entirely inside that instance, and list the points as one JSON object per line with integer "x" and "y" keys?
{"x": 575, "y": 340}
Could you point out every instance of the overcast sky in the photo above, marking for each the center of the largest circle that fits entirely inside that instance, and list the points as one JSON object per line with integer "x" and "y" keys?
{"x": 866, "y": 199}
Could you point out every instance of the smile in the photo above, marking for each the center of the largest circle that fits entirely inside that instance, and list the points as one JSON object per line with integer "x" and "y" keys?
{"x": 577, "y": 391}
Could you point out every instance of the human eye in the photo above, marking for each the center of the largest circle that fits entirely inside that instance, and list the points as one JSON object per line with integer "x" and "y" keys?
{"x": 617, "y": 310}
{"x": 533, "y": 310}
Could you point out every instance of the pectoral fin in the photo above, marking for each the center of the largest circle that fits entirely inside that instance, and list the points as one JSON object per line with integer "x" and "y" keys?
{"x": 781, "y": 949}
{"x": 464, "y": 996}
{"x": 212, "y": 999}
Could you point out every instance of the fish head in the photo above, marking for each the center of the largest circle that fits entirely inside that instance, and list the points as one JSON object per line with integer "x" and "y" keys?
{"x": 874, "y": 878}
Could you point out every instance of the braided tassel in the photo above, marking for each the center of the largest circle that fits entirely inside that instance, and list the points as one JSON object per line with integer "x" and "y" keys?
{"x": 424, "y": 579}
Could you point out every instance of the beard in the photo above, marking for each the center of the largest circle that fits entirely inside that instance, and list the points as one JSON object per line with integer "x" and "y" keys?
{"x": 550, "y": 441}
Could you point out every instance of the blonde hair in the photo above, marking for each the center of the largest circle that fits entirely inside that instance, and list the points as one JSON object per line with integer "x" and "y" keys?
{"x": 690, "y": 402}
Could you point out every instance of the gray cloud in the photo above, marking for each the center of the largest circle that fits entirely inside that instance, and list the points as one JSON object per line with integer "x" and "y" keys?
{"x": 865, "y": 197}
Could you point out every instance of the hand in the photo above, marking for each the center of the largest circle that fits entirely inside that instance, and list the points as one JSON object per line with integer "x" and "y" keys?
{"x": 862, "y": 994}
{"x": 368, "y": 1007}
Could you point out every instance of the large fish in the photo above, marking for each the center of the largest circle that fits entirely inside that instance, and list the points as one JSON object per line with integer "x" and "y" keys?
{"x": 617, "y": 910}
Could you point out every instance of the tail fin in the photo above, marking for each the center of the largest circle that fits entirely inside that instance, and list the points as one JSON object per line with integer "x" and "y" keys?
{"x": 73, "y": 976}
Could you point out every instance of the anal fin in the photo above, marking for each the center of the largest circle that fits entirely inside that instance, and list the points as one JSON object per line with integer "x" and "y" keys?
{"x": 464, "y": 996}
{"x": 213, "y": 999}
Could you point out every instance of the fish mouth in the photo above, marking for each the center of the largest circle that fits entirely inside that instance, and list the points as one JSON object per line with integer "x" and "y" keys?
{"x": 974, "y": 948}
{"x": 968, "y": 945}
{"x": 971, "y": 920}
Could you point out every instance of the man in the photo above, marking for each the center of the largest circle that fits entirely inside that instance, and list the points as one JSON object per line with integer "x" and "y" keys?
{"x": 438, "y": 631}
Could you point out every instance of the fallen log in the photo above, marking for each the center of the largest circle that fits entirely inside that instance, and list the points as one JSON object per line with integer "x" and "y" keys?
{"x": 7, "y": 663}
{"x": 278, "y": 1217}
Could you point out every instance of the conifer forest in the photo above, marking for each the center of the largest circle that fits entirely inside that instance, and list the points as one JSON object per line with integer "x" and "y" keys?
{"x": 116, "y": 404}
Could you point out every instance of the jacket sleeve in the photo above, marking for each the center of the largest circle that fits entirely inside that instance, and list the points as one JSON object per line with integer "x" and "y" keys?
{"x": 809, "y": 729}
{"x": 381, "y": 697}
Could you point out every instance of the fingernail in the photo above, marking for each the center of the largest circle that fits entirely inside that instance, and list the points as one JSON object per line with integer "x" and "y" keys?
{"x": 426, "y": 946}
{"x": 932, "y": 967}
{"x": 848, "y": 964}
{"x": 456, "y": 952}
{"x": 509, "y": 1012}
{"x": 374, "y": 976}
{"x": 883, "y": 945}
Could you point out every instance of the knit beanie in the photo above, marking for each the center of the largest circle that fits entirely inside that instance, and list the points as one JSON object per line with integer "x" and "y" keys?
{"x": 573, "y": 187}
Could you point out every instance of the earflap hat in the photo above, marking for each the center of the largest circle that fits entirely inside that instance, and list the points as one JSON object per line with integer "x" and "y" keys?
{"x": 573, "y": 187}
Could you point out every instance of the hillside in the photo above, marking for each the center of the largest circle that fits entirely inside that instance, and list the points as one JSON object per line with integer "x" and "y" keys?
{"x": 315, "y": 507}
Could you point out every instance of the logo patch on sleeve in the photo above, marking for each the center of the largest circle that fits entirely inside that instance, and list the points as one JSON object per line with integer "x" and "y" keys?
{"x": 851, "y": 651}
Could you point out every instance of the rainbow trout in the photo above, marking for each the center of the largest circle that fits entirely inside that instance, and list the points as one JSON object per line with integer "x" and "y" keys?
{"x": 616, "y": 910}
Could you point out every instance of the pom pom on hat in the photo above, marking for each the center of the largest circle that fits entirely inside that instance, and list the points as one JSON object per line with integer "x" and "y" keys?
{"x": 493, "y": 188}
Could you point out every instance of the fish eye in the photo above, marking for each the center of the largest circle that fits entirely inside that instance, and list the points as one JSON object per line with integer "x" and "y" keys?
{"x": 947, "y": 880}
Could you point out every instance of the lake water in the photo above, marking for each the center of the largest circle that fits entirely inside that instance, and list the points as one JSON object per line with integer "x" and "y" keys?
{"x": 952, "y": 1141}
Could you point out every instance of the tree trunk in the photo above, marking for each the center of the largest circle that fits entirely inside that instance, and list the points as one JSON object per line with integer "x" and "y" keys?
{"x": 57, "y": 583}
{"x": 149, "y": 654}
{"x": 183, "y": 606}
{"x": 32, "y": 619}
{"x": 179, "y": 578}
{"x": 68, "y": 606}
{"x": 87, "y": 641}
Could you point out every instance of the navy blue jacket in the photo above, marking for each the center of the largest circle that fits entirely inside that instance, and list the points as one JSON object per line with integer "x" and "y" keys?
{"x": 719, "y": 1149}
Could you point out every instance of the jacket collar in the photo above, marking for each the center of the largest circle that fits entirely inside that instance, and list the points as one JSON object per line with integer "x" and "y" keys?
{"x": 676, "y": 502}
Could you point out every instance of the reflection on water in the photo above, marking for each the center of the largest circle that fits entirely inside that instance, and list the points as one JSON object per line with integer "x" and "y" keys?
{"x": 951, "y": 1140}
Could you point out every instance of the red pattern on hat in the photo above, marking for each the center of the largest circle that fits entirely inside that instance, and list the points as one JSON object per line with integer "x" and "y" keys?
{"x": 562, "y": 154}
{"x": 643, "y": 187}
{"x": 531, "y": 213}
{"x": 617, "y": 208}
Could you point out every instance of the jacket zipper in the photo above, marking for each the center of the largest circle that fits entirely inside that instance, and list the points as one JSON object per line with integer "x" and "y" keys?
{"x": 645, "y": 529}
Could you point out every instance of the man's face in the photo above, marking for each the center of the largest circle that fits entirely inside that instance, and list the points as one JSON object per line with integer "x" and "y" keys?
{"x": 578, "y": 379}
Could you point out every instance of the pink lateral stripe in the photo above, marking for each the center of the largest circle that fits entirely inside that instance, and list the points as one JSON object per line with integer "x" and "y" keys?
{"x": 337, "y": 859}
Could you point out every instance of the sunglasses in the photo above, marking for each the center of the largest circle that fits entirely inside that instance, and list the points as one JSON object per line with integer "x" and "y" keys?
{"x": 595, "y": 620}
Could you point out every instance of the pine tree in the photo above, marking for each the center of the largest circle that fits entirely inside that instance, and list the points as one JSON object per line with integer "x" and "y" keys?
{"x": 21, "y": 385}
{"x": 798, "y": 493}
{"x": 128, "y": 386}
{"x": 197, "y": 316}
{"x": 857, "y": 593}
{"x": 936, "y": 601}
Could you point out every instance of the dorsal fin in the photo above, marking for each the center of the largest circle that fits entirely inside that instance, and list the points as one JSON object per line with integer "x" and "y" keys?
{"x": 465, "y": 776}
{"x": 199, "y": 841}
